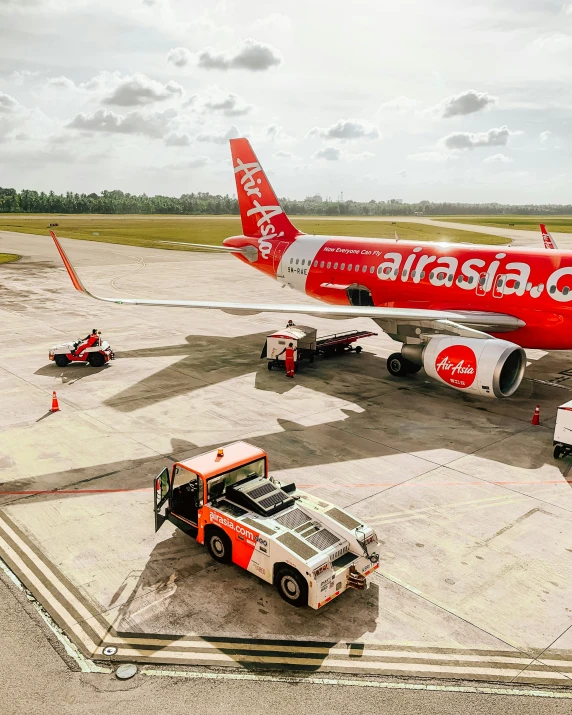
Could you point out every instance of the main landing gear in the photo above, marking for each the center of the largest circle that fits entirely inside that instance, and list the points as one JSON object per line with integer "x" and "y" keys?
{"x": 398, "y": 366}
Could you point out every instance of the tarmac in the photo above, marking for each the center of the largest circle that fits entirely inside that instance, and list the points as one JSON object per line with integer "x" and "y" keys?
{"x": 474, "y": 514}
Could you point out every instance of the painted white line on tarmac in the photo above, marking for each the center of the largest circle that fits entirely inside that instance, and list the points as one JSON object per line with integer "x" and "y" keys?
{"x": 347, "y": 682}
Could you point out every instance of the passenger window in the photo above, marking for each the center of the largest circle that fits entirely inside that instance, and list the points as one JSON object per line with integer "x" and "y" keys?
{"x": 387, "y": 271}
{"x": 422, "y": 275}
{"x": 364, "y": 269}
{"x": 297, "y": 261}
{"x": 552, "y": 289}
{"x": 303, "y": 261}
{"x": 291, "y": 260}
{"x": 322, "y": 264}
{"x": 431, "y": 276}
{"x": 372, "y": 269}
{"x": 404, "y": 273}
{"x": 460, "y": 280}
{"x": 470, "y": 281}
{"x": 349, "y": 266}
{"x": 329, "y": 265}
{"x": 517, "y": 286}
{"x": 315, "y": 264}
{"x": 565, "y": 290}
{"x": 343, "y": 266}
{"x": 335, "y": 266}
{"x": 482, "y": 280}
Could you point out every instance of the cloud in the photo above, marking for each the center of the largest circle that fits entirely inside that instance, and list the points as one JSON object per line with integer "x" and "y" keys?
{"x": 544, "y": 136}
{"x": 248, "y": 55}
{"x": 178, "y": 140}
{"x": 467, "y": 140}
{"x": 284, "y": 154}
{"x": 103, "y": 120}
{"x": 179, "y": 56}
{"x": 347, "y": 129}
{"x": 466, "y": 103}
{"x": 220, "y": 138}
{"x": 230, "y": 106}
{"x": 139, "y": 90}
{"x": 20, "y": 76}
{"x": 402, "y": 173}
{"x": 497, "y": 159}
{"x": 330, "y": 153}
{"x": 8, "y": 104}
{"x": 553, "y": 41}
{"x": 62, "y": 82}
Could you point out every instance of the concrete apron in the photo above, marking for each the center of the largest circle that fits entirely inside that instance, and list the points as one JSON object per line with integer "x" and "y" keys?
{"x": 474, "y": 514}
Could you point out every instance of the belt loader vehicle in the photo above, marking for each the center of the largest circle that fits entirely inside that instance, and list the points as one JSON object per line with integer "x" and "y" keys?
{"x": 311, "y": 550}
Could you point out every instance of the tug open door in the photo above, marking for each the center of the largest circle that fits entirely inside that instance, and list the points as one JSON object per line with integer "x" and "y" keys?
{"x": 162, "y": 489}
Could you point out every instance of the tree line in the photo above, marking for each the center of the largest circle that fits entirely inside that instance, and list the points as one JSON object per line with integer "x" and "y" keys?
{"x": 118, "y": 202}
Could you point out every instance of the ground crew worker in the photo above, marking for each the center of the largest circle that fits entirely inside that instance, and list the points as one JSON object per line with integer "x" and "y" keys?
{"x": 290, "y": 357}
{"x": 290, "y": 324}
{"x": 88, "y": 342}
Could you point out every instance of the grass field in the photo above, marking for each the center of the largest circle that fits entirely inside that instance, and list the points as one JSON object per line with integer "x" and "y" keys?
{"x": 8, "y": 257}
{"x": 149, "y": 230}
{"x": 557, "y": 224}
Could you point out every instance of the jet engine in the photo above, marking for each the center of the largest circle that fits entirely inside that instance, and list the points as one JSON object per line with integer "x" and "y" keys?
{"x": 486, "y": 367}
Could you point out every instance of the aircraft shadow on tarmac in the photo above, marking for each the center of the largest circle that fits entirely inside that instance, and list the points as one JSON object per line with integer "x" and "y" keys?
{"x": 182, "y": 590}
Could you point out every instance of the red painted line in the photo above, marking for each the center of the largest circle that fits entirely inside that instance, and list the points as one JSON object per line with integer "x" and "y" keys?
{"x": 429, "y": 484}
{"x": 78, "y": 491}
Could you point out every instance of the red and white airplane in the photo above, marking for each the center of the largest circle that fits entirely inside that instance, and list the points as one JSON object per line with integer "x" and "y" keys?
{"x": 450, "y": 305}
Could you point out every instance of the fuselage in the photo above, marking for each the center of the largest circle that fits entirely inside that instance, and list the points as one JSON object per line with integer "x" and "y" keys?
{"x": 534, "y": 285}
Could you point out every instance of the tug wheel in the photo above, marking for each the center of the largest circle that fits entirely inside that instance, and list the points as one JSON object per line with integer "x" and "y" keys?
{"x": 96, "y": 360}
{"x": 358, "y": 349}
{"x": 557, "y": 451}
{"x": 292, "y": 586}
{"x": 269, "y": 365}
{"x": 61, "y": 360}
{"x": 219, "y": 546}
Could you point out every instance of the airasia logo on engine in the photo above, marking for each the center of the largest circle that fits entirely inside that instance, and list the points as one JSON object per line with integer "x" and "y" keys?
{"x": 457, "y": 366}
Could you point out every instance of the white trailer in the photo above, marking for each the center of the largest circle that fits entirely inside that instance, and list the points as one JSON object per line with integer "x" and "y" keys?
{"x": 563, "y": 431}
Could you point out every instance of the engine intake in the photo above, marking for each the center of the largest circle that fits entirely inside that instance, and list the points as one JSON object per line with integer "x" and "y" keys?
{"x": 487, "y": 366}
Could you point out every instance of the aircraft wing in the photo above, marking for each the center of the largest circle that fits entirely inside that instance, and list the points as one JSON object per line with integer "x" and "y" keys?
{"x": 433, "y": 320}
{"x": 549, "y": 242}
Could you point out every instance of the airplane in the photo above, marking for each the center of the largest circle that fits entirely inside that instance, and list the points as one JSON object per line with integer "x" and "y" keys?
{"x": 549, "y": 242}
{"x": 450, "y": 305}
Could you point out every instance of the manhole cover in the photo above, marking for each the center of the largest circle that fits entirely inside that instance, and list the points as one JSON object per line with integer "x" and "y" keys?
{"x": 126, "y": 671}
{"x": 110, "y": 650}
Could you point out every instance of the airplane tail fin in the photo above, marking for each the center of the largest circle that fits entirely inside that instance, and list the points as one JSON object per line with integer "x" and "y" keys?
{"x": 260, "y": 210}
{"x": 547, "y": 238}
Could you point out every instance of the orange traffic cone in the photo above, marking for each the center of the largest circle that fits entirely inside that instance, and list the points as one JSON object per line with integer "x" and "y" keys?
{"x": 536, "y": 416}
{"x": 55, "y": 405}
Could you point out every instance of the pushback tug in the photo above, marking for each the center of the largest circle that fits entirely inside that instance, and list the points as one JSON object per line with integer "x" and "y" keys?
{"x": 311, "y": 550}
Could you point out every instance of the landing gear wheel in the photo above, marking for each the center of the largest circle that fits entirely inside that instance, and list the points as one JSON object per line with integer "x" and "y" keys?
{"x": 219, "y": 546}
{"x": 358, "y": 349}
{"x": 292, "y": 587}
{"x": 557, "y": 451}
{"x": 413, "y": 368}
{"x": 61, "y": 360}
{"x": 397, "y": 365}
{"x": 96, "y": 360}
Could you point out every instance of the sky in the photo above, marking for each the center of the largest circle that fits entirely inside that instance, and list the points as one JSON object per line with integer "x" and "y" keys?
{"x": 444, "y": 101}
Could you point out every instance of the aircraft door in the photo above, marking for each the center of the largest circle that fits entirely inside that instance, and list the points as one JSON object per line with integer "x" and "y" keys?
{"x": 162, "y": 489}
{"x": 498, "y": 289}
{"x": 359, "y": 295}
{"x": 277, "y": 256}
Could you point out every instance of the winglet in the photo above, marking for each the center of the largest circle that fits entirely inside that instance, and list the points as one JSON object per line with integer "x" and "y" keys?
{"x": 77, "y": 284}
{"x": 547, "y": 238}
